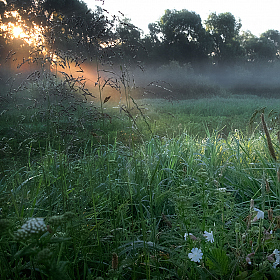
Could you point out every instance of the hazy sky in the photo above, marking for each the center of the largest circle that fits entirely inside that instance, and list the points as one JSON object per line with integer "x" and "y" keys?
{"x": 256, "y": 15}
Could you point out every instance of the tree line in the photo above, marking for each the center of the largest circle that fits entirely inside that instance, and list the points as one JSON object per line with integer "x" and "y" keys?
{"x": 181, "y": 36}
{"x": 177, "y": 36}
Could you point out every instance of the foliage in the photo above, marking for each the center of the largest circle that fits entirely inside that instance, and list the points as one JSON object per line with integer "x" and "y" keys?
{"x": 178, "y": 35}
{"x": 183, "y": 36}
{"x": 225, "y": 30}
{"x": 63, "y": 25}
{"x": 259, "y": 49}
{"x": 129, "y": 41}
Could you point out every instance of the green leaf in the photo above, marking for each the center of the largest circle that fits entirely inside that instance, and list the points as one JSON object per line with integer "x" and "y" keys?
{"x": 242, "y": 275}
{"x": 218, "y": 261}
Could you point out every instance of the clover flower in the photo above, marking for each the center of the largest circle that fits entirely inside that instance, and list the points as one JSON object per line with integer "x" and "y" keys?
{"x": 260, "y": 214}
{"x": 195, "y": 255}
{"x": 209, "y": 236}
{"x": 32, "y": 227}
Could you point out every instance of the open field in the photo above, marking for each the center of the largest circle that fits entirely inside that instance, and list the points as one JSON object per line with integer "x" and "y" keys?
{"x": 223, "y": 114}
{"x": 129, "y": 194}
{"x": 126, "y": 155}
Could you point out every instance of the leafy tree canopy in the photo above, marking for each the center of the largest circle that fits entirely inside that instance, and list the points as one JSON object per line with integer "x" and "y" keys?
{"x": 183, "y": 35}
{"x": 180, "y": 25}
{"x": 224, "y": 29}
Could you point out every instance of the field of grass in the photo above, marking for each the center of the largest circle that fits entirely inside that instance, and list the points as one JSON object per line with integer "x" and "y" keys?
{"x": 136, "y": 193}
{"x": 195, "y": 117}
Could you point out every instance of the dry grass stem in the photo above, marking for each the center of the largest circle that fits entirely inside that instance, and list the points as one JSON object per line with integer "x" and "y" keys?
{"x": 268, "y": 139}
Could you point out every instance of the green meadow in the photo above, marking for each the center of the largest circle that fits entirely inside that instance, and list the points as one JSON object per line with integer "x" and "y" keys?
{"x": 155, "y": 189}
{"x": 130, "y": 156}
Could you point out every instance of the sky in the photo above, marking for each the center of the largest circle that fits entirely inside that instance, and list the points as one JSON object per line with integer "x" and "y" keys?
{"x": 256, "y": 16}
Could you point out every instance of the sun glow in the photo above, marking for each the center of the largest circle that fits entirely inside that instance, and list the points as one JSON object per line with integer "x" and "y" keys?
{"x": 18, "y": 32}
{"x": 31, "y": 35}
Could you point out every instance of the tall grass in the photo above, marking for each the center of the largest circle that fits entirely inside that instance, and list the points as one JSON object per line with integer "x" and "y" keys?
{"x": 132, "y": 194}
{"x": 137, "y": 204}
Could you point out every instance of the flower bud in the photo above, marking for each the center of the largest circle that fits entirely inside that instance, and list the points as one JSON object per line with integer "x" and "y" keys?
{"x": 237, "y": 227}
{"x": 44, "y": 255}
{"x": 252, "y": 204}
{"x": 270, "y": 214}
{"x": 267, "y": 186}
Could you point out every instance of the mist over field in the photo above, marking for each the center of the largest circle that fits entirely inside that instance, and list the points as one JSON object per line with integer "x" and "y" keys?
{"x": 172, "y": 80}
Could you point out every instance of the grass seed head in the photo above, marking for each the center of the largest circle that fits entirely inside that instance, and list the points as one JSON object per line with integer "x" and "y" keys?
{"x": 270, "y": 214}
{"x": 115, "y": 261}
{"x": 267, "y": 186}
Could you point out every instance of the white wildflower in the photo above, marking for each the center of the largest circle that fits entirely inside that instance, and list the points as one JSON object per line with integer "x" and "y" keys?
{"x": 275, "y": 264}
{"x": 195, "y": 255}
{"x": 276, "y": 253}
{"x": 32, "y": 227}
{"x": 222, "y": 189}
{"x": 260, "y": 214}
{"x": 209, "y": 236}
